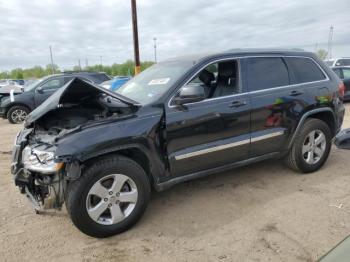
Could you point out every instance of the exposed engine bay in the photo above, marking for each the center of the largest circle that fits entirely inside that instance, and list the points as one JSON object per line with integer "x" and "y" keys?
{"x": 77, "y": 105}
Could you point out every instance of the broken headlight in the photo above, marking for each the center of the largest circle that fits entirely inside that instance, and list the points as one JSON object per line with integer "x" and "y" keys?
{"x": 40, "y": 161}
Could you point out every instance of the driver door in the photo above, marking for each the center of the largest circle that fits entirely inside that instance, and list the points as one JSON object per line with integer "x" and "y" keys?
{"x": 45, "y": 90}
{"x": 207, "y": 134}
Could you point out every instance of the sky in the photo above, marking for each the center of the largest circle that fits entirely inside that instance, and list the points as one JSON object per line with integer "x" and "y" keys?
{"x": 89, "y": 29}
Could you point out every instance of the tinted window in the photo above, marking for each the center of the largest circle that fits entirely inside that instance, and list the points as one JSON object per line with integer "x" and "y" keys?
{"x": 266, "y": 73}
{"x": 305, "y": 70}
{"x": 346, "y": 73}
{"x": 338, "y": 72}
{"x": 100, "y": 77}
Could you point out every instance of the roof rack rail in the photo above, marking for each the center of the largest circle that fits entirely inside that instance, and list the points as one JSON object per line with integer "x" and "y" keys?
{"x": 264, "y": 49}
{"x": 77, "y": 71}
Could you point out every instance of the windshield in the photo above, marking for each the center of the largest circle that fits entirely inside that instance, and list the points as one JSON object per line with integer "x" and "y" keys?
{"x": 155, "y": 81}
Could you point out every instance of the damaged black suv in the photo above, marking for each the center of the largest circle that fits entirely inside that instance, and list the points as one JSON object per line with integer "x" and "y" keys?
{"x": 101, "y": 152}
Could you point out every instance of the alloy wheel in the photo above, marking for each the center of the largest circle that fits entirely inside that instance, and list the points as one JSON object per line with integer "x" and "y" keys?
{"x": 111, "y": 199}
{"x": 314, "y": 147}
{"x": 18, "y": 116}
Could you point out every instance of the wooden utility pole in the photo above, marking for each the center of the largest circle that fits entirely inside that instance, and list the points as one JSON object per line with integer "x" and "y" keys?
{"x": 136, "y": 37}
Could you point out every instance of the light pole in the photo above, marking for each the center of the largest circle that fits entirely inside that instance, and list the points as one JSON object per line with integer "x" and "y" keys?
{"x": 155, "y": 49}
{"x": 135, "y": 37}
{"x": 330, "y": 39}
{"x": 101, "y": 61}
{"x": 52, "y": 68}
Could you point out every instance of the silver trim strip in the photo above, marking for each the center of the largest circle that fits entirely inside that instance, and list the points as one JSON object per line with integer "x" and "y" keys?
{"x": 230, "y": 145}
{"x": 267, "y": 136}
{"x": 212, "y": 149}
{"x": 252, "y": 92}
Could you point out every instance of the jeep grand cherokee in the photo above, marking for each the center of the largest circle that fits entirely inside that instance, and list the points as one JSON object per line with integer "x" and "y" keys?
{"x": 102, "y": 152}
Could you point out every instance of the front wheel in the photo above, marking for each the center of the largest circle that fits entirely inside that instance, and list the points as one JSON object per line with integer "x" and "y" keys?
{"x": 311, "y": 147}
{"x": 17, "y": 114}
{"x": 109, "y": 197}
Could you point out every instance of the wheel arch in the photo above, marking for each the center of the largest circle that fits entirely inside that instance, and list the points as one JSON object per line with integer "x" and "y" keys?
{"x": 16, "y": 104}
{"x": 140, "y": 154}
{"x": 325, "y": 114}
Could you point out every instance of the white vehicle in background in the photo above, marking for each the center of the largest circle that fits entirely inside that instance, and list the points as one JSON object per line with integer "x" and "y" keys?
{"x": 344, "y": 61}
{"x": 7, "y": 85}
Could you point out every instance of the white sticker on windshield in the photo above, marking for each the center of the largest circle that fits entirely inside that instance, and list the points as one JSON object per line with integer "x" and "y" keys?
{"x": 159, "y": 81}
{"x": 12, "y": 97}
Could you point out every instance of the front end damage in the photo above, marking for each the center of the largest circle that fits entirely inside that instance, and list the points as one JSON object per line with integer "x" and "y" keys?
{"x": 38, "y": 171}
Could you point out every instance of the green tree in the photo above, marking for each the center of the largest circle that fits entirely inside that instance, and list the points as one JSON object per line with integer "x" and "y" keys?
{"x": 322, "y": 54}
{"x": 123, "y": 69}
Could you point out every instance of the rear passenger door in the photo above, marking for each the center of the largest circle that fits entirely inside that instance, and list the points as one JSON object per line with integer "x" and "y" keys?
{"x": 308, "y": 75}
{"x": 276, "y": 105}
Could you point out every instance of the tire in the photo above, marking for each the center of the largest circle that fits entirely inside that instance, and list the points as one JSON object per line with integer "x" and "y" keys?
{"x": 82, "y": 203}
{"x": 17, "y": 114}
{"x": 300, "y": 157}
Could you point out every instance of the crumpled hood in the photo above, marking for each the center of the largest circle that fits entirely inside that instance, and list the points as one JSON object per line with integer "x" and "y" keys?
{"x": 70, "y": 92}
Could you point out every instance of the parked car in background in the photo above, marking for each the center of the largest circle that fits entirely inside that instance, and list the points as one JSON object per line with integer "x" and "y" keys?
{"x": 10, "y": 86}
{"x": 11, "y": 82}
{"x": 20, "y": 82}
{"x": 16, "y": 108}
{"x": 178, "y": 120}
{"x": 116, "y": 82}
{"x": 344, "y": 74}
{"x": 345, "y": 61}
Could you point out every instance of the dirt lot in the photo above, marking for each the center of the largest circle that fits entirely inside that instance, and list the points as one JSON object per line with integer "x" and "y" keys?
{"x": 263, "y": 212}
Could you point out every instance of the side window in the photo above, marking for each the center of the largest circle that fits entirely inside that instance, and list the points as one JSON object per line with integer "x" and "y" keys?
{"x": 305, "y": 70}
{"x": 266, "y": 72}
{"x": 218, "y": 79}
{"x": 53, "y": 84}
{"x": 346, "y": 73}
{"x": 338, "y": 72}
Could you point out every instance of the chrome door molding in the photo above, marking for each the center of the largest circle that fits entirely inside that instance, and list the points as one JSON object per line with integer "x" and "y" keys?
{"x": 229, "y": 145}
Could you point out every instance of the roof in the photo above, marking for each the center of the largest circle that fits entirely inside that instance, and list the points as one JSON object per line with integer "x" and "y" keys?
{"x": 241, "y": 51}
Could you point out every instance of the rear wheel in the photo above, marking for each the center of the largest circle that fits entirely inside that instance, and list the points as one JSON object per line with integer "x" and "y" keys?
{"x": 311, "y": 147}
{"x": 109, "y": 197}
{"x": 17, "y": 114}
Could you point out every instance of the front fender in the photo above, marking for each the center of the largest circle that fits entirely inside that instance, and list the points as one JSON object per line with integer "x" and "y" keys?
{"x": 135, "y": 133}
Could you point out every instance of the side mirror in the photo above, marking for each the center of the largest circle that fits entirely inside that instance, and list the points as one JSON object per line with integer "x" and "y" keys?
{"x": 39, "y": 90}
{"x": 190, "y": 94}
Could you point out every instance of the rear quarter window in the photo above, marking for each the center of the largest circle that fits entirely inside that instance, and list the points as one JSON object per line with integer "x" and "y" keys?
{"x": 266, "y": 72}
{"x": 304, "y": 70}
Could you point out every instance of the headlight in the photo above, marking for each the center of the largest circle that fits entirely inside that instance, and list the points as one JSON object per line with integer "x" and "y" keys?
{"x": 40, "y": 161}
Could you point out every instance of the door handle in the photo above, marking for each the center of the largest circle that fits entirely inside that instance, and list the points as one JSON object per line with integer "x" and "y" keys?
{"x": 238, "y": 103}
{"x": 296, "y": 93}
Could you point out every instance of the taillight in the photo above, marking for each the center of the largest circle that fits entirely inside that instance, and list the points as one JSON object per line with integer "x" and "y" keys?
{"x": 341, "y": 89}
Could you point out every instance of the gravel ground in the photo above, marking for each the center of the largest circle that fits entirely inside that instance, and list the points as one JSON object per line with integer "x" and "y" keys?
{"x": 262, "y": 212}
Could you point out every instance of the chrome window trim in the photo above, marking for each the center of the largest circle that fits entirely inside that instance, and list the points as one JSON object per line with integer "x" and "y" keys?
{"x": 230, "y": 145}
{"x": 252, "y": 92}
